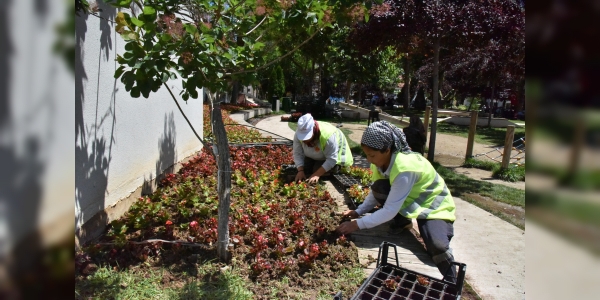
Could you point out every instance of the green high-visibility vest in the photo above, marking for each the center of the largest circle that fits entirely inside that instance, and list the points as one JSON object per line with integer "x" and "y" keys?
{"x": 344, "y": 156}
{"x": 429, "y": 197}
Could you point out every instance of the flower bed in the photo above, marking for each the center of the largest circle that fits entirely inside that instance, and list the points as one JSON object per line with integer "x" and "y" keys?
{"x": 276, "y": 230}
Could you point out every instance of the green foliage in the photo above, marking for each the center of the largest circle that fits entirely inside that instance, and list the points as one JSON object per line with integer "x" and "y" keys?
{"x": 512, "y": 173}
{"x": 483, "y": 135}
{"x": 481, "y": 164}
{"x": 209, "y": 44}
{"x": 107, "y": 283}
{"x": 277, "y": 82}
{"x": 461, "y": 185}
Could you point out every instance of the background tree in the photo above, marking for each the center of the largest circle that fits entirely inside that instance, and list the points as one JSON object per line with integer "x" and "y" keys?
{"x": 442, "y": 26}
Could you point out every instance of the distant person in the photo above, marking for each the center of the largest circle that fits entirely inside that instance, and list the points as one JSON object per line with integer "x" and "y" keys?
{"x": 319, "y": 148}
{"x": 415, "y": 134}
{"x": 406, "y": 186}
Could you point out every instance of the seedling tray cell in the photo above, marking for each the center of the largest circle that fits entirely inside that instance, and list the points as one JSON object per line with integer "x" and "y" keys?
{"x": 407, "y": 285}
{"x": 345, "y": 180}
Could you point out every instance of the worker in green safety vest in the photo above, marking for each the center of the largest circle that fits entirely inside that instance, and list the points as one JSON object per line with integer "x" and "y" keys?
{"x": 407, "y": 187}
{"x": 319, "y": 148}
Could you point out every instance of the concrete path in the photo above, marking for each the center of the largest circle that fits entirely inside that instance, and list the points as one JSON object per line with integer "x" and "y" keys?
{"x": 493, "y": 249}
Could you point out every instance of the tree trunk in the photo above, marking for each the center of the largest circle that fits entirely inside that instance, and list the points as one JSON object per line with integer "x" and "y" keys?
{"x": 223, "y": 178}
{"x": 492, "y": 105}
{"x": 434, "y": 101}
{"x": 348, "y": 88}
{"x": 359, "y": 93}
{"x": 235, "y": 90}
{"x": 406, "y": 86}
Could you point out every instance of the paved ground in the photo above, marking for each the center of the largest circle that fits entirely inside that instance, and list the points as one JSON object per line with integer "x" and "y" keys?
{"x": 493, "y": 249}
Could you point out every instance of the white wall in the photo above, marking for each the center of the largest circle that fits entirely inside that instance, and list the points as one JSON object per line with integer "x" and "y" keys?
{"x": 121, "y": 142}
{"x": 36, "y": 125}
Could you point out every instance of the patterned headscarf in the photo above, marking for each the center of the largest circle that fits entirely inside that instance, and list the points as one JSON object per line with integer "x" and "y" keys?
{"x": 383, "y": 135}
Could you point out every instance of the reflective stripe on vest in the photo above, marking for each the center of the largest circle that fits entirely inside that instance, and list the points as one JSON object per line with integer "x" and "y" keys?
{"x": 344, "y": 156}
{"x": 429, "y": 198}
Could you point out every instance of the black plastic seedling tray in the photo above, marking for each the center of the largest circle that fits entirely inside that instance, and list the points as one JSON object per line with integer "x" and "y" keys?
{"x": 346, "y": 181}
{"x": 407, "y": 286}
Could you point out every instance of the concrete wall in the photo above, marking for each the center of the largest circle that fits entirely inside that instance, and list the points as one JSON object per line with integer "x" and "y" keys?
{"x": 122, "y": 144}
{"x": 36, "y": 125}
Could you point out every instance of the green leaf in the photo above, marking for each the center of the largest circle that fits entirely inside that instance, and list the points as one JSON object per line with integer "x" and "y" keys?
{"x": 119, "y": 71}
{"x": 165, "y": 77}
{"x": 146, "y": 88}
{"x": 122, "y": 3}
{"x": 135, "y": 92}
{"x": 149, "y": 11}
{"x": 129, "y": 35}
{"x": 185, "y": 96}
{"x": 219, "y": 74}
{"x": 208, "y": 39}
{"x": 165, "y": 37}
{"x": 173, "y": 75}
{"x": 258, "y": 46}
{"x": 193, "y": 93}
{"x": 191, "y": 29}
{"x": 137, "y": 22}
{"x": 121, "y": 60}
{"x": 156, "y": 85}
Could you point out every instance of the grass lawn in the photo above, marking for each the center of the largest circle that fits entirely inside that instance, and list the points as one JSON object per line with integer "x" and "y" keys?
{"x": 483, "y": 135}
{"x": 204, "y": 280}
{"x": 476, "y": 192}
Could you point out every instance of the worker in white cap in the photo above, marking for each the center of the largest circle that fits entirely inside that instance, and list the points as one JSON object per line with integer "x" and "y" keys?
{"x": 319, "y": 148}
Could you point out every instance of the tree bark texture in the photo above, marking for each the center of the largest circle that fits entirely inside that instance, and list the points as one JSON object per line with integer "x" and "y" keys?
{"x": 434, "y": 101}
{"x": 224, "y": 181}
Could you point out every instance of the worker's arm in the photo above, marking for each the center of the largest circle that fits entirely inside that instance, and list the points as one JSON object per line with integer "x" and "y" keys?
{"x": 399, "y": 191}
{"x": 330, "y": 152}
{"x": 298, "y": 154}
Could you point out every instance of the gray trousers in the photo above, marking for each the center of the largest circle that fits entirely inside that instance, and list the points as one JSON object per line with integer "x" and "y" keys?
{"x": 435, "y": 233}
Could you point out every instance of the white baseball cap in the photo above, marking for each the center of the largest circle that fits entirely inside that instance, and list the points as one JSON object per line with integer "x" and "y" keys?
{"x": 306, "y": 123}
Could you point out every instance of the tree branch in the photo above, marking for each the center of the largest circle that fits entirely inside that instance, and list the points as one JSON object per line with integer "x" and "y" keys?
{"x": 277, "y": 59}
{"x": 185, "y": 117}
{"x": 264, "y": 18}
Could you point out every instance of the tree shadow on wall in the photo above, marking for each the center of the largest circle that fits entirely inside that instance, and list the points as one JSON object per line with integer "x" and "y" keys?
{"x": 92, "y": 153}
{"x": 24, "y": 164}
{"x": 167, "y": 157}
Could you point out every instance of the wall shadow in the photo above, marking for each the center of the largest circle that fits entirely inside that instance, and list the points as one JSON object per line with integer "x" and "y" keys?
{"x": 23, "y": 161}
{"x": 92, "y": 153}
{"x": 167, "y": 158}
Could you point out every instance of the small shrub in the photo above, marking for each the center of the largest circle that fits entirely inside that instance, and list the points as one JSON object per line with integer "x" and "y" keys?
{"x": 512, "y": 174}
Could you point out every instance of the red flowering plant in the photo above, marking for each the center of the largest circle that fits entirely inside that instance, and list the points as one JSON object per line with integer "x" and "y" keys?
{"x": 358, "y": 193}
{"x": 274, "y": 228}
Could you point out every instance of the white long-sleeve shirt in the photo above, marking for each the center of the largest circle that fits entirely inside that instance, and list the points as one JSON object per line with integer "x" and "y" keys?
{"x": 329, "y": 154}
{"x": 400, "y": 189}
